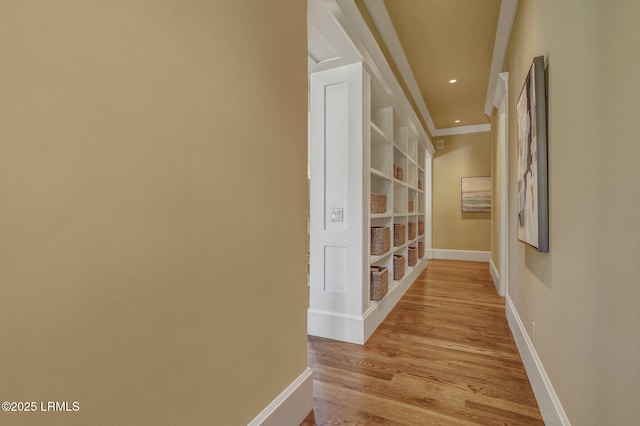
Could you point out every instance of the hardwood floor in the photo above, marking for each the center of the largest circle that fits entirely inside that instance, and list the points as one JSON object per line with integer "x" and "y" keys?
{"x": 443, "y": 356}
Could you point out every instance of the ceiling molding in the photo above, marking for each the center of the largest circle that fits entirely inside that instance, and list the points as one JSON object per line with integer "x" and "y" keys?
{"x": 462, "y": 130}
{"x": 347, "y": 14}
{"x": 327, "y": 44}
{"x": 508, "y": 10}
{"x": 381, "y": 18}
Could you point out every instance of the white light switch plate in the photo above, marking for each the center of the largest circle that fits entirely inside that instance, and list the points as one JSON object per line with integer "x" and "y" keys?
{"x": 336, "y": 214}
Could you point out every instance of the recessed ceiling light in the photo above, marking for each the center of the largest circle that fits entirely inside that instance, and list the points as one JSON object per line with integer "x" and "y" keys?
{"x": 457, "y": 121}
{"x": 453, "y": 80}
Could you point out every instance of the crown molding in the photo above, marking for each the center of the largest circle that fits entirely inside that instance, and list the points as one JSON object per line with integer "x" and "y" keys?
{"x": 347, "y": 14}
{"x": 508, "y": 10}
{"x": 462, "y": 130}
{"x": 382, "y": 20}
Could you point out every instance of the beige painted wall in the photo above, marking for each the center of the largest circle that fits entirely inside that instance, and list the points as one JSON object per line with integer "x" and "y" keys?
{"x": 463, "y": 156}
{"x": 152, "y": 172}
{"x": 584, "y": 295}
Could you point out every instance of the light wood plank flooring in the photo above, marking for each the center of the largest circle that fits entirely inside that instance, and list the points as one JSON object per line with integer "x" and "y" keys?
{"x": 443, "y": 356}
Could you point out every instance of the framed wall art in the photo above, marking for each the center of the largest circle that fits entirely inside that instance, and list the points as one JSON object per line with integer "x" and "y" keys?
{"x": 476, "y": 194}
{"x": 532, "y": 185}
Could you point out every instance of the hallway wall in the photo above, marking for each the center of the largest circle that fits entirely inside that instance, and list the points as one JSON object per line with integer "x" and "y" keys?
{"x": 463, "y": 156}
{"x": 584, "y": 295}
{"x": 152, "y": 172}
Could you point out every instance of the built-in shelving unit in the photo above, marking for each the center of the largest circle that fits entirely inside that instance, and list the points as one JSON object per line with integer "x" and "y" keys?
{"x": 395, "y": 145}
{"x": 376, "y": 150}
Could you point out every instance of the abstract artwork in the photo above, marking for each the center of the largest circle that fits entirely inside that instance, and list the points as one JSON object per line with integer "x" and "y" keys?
{"x": 531, "y": 116}
{"x": 476, "y": 194}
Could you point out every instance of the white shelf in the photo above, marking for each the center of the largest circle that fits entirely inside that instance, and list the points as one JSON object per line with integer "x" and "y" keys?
{"x": 380, "y": 215}
{"x": 397, "y": 248}
{"x": 379, "y": 173}
{"x": 377, "y": 135}
{"x": 376, "y": 258}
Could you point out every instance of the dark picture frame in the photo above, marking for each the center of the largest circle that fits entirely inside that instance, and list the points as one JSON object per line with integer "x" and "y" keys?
{"x": 532, "y": 174}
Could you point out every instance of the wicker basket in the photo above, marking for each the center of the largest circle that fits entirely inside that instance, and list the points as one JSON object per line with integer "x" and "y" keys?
{"x": 419, "y": 184}
{"x": 398, "y": 173}
{"x": 398, "y": 267}
{"x": 410, "y": 206}
{"x": 412, "y": 258}
{"x": 412, "y": 230}
{"x": 420, "y": 249}
{"x": 378, "y": 203}
{"x": 380, "y": 239}
{"x": 373, "y": 203}
{"x": 421, "y": 227}
{"x": 382, "y": 203}
{"x": 379, "y": 282}
{"x": 399, "y": 234}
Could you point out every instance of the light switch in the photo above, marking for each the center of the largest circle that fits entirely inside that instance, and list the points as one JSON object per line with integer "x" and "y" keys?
{"x": 336, "y": 214}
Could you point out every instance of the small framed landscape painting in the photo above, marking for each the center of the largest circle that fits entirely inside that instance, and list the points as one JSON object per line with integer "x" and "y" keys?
{"x": 533, "y": 202}
{"x": 476, "y": 194}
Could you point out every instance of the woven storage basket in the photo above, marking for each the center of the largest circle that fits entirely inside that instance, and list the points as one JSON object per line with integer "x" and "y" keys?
{"x": 382, "y": 203}
{"x": 412, "y": 230}
{"x": 399, "y": 234}
{"x": 398, "y": 266}
{"x": 421, "y": 227}
{"x": 373, "y": 203}
{"x": 380, "y": 239}
{"x": 410, "y": 206}
{"x": 412, "y": 258}
{"x": 379, "y": 282}
{"x": 419, "y": 184}
{"x": 420, "y": 249}
{"x": 378, "y": 203}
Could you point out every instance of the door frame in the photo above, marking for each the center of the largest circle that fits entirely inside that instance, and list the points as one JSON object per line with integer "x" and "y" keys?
{"x": 501, "y": 102}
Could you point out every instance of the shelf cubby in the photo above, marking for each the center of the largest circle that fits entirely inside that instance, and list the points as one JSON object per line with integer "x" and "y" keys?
{"x": 400, "y": 161}
{"x": 412, "y": 148}
{"x": 400, "y": 138}
{"x": 422, "y": 157}
{"x": 382, "y": 185}
{"x": 381, "y": 159}
{"x": 400, "y": 198}
{"x": 412, "y": 175}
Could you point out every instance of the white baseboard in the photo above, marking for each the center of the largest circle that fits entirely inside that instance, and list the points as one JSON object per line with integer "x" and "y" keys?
{"x": 336, "y": 326}
{"x": 291, "y": 406}
{"x": 468, "y": 255}
{"x": 358, "y": 329}
{"x": 550, "y": 407}
{"x": 494, "y": 275}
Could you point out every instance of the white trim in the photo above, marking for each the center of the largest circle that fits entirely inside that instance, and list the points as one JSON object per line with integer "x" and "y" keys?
{"x": 462, "y": 130}
{"x": 383, "y": 23}
{"x": 291, "y": 406}
{"x": 548, "y": 402}
{"x": 502, "y": 103}
{"x": 495, "y": 275}
{"x": 508, "y": 10}
{"x": 358, "y": 329}
{"x": 354, "y": 25}
{"x": 468, "y": 255}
